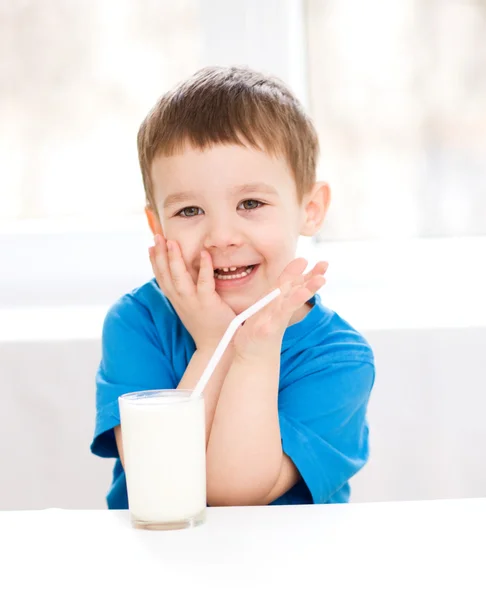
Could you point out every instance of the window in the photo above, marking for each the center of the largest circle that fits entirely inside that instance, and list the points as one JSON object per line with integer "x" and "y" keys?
{"x": 399, "y": 109}
{"x": 398, "y": 94}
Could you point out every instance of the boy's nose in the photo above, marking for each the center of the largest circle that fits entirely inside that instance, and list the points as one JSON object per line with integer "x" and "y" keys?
{"x": 221, "y": 235}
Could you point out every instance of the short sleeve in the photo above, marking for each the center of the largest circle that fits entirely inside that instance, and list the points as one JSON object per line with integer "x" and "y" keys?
{"x": 323, "y": 425}
{"x": 131, "y": 360}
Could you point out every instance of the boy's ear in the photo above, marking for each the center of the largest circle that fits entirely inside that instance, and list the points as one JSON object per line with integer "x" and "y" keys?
{"x": 153, "y": 221}
{"x": 315, "y": 205}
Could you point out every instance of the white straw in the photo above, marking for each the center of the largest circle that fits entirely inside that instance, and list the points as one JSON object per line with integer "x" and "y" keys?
{"x": 225, "y": 340}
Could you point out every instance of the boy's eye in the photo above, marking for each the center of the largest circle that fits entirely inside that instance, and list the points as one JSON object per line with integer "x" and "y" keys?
{"x": 251, "y": 204}
{"x": 189, "y": 211}
{"x": 195, "y": 211}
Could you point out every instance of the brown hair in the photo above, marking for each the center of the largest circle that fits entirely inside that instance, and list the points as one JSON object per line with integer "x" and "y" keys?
{"x": 230, "y": 105}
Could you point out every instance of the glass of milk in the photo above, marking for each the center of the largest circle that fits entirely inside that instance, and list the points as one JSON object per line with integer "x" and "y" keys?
{"x": 164, "y": 447}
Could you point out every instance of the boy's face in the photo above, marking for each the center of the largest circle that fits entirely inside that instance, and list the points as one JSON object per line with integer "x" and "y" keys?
{"x": 238, "y": 203}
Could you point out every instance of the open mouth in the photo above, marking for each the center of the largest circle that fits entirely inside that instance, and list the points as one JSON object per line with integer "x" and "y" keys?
{"x": 227, "y": 273}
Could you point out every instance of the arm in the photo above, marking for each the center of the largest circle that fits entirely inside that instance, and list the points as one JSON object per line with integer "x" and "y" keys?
{"x": 245, "y": 460}
{"x": 323, "y": 433}
{"x": 203, "y": 313}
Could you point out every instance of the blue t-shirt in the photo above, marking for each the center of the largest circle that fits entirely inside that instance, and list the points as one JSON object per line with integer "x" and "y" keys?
{"x": 326, "y": 376}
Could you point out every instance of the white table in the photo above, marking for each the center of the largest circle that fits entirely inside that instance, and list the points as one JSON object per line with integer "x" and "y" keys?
{"x": 430, "y": 549}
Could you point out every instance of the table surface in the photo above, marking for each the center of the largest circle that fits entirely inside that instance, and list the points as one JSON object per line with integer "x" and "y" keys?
{"x": 389, "y": 550}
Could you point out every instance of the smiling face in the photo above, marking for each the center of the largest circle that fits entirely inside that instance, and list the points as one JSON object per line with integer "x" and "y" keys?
{"x": 238, "y": 203}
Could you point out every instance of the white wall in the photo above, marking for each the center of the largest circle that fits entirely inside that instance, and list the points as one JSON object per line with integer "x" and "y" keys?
{"x": 427, "y": 417}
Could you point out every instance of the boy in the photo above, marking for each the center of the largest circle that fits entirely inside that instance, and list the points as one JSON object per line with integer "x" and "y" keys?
{"x": 228, "y": 162}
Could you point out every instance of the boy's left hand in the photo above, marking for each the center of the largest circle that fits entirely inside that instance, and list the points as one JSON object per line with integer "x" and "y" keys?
{"x": 267, "y": 327}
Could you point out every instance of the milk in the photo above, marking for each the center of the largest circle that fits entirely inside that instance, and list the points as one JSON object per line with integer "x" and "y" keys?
{"x": 165, "y": 456}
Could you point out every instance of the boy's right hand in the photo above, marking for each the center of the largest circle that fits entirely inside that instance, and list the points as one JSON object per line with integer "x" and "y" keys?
{"x": 201, "y": 309}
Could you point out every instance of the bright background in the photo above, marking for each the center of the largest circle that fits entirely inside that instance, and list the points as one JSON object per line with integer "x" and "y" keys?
{"x": 398, "y": 94}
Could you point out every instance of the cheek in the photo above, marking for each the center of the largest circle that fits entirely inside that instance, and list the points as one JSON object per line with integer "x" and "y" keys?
{"x": 277, "y": 258}
{"x": 278, "y": 243}
{"x": 189, "y": 253}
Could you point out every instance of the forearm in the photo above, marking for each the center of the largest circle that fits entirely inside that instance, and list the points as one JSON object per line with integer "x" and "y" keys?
{"x": 244, "y": 453}
{"x": 211, "y": 393}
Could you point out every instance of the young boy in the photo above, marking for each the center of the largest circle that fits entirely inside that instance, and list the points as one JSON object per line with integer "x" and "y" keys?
{"x": 228, "y": 161}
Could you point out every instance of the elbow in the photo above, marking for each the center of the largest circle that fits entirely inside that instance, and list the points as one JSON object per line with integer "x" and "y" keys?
{"x": 234, "y": 494}
{"x": 248, "y": 484}
{"x": 234, "y": 499}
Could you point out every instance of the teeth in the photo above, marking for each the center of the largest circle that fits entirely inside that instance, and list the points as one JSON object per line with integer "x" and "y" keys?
{"x": 233, "y": 268}
{"x": 237, "y": 276}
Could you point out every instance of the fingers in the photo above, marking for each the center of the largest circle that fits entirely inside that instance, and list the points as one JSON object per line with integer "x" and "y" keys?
{"x": 301, "y": 293}
{"x": 289, "y": 282}
{"x": 319, "y": 269}
{"x": 181, "y": 279}
{"x": 315, "y": 284}
{"x": 205, "y": 280}
{"x": 296, "y": 288}
{"x": 169, "y": 267}
{"x": 160, "y": 264}
{"x": 292, "y": 274}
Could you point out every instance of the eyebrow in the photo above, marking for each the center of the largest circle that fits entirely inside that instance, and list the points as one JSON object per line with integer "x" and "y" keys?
{"x": 246, "y": 188}
{"x": 179, "y": 197}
